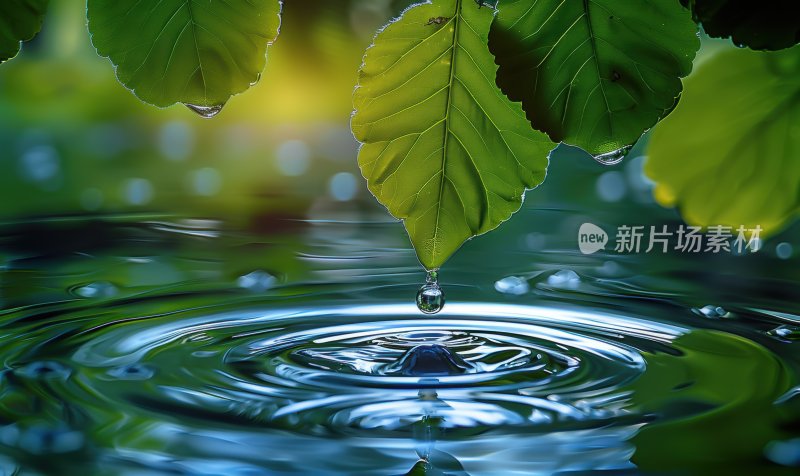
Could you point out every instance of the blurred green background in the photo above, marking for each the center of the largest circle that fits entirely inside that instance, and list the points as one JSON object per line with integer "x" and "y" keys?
{"x": 75, "y": 142}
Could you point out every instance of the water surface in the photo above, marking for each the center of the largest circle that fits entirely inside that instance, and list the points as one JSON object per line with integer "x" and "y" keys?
{"x": 166, "y": 345}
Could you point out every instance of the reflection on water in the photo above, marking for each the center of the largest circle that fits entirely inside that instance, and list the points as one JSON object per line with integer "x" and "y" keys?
{"x": 180, "y": 347}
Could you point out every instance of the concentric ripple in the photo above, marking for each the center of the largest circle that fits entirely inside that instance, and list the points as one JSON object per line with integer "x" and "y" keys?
{"x": 379, "y": 374}
{"x": 366, "y": 367}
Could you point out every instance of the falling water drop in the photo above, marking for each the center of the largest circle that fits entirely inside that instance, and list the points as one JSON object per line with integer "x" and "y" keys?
{"x": 206, "y": 112}
{"x": 614, "y": 157}
{"x": 430, "y": 297}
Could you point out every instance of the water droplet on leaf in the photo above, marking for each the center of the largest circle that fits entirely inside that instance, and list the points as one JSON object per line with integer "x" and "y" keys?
{"x": 614, "y": 157}
{"x": 206, "y": 112}
{"x": 430, "y": 297}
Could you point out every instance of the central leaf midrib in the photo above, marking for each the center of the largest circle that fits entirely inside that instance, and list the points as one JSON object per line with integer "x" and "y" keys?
{"x": 197, "y": 50}
{"x": 596, "y": 58}
{"x": 446, "y": 135}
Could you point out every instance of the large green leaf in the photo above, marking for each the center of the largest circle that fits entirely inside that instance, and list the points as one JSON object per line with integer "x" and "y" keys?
{"x": 20, "y": 20}
{"x": 728, "y": 153}
{"x": 770, "y": 25}
{"x": 443, "y": 148}
{"x": 198, "y": 52}
{"x": 593, "y": 73}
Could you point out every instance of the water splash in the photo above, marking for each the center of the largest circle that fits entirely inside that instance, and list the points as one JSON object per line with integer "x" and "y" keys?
{"x": 426, "y": 432}
{"x": 430, "y": 297}
{"x": 430, "y": 359}
{"x": 206, "y": 112}
{"x": 614, "y": 157}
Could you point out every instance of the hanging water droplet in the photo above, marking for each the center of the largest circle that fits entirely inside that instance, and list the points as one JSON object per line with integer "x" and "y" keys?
{"x": 206, "y": 112}
{"x": 786, "y": 332}
{"x": 430, "y": 297}
{"x": 614, "y": 157}
{"x": 711, "y": 312}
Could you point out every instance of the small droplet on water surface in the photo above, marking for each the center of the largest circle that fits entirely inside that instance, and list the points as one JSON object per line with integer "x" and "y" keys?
{"x": 45, "y": 370}
{"x": 711, "y": 312}
{"x": 40, "y": 440}
{"x": 99, "y": 289}
{"x": 786, "y": 332}
{"x": 257, "y": 281}
{"x": 565, "y": 279}
{"x": 430, "y": 297}
{"x": 784, "y": 452}
{"x": 206, "y": 112}
{"x": 132, "y": 372}
{"x": 512, "y": 285}
{"x": 614, "y": 157}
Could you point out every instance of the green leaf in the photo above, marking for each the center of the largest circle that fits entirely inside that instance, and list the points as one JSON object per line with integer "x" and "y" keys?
{"x": 442, "y": 148}
{"x": 593, "y": 73}
{"x": 197, "y": 52}
{"x": 728, "y": 153}
{"x": 768, "y": 26}
{"x": 20, "y": 20}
